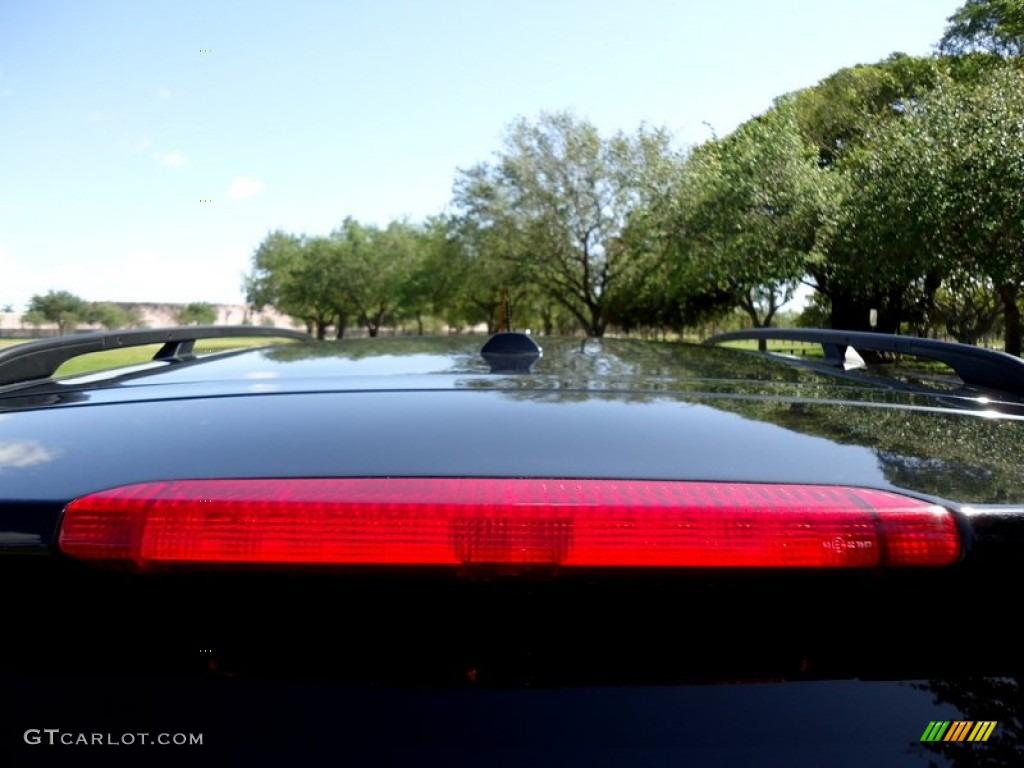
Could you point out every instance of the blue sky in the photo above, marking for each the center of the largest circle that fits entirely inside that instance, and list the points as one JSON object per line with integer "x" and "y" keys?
{"x": 118, "y": 118}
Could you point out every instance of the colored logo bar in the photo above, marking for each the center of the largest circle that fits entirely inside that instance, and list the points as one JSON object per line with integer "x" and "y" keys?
{"x": 959, "y": 730}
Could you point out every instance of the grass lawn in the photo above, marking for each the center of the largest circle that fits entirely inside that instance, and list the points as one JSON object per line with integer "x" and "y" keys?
{"x": 115, "y": 358}
{"x": 909, "y": 365}
{"x": 796, "y": 348}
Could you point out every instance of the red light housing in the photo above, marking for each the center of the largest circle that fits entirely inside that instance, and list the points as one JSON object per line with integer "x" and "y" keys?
{"x": 459, "y": 521}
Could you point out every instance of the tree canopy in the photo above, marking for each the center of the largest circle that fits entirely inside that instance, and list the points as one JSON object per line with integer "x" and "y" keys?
{"x": 747, "y": 214}
{"x": 60, "y": 307}
{"x": 892, "y": 186}
{"x": 198, "y": 313}
{"x": 991, "y": 26}
{"x": 299, "y": 276}
{"x": 560, "y": 194}
{"x": 942, "y": 191}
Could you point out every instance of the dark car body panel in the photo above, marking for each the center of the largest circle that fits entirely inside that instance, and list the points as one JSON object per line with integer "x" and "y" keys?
{"x": 587, "y": 410}
{"x": 508, "y": 667}
{"x": 835, "y": 723}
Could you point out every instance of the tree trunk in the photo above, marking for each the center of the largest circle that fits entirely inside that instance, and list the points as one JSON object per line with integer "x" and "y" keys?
{"x": 1011, "y": 319}
{"x": 850, "y": 313}
{"x": 891, "y": 312}
{"x": 751, "y": 310}
{"x": 932, "y": 283}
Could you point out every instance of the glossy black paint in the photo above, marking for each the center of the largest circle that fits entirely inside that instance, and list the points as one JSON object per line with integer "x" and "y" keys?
{"x": 605, "y": 410}
{"x": 848, "y": 723}
{"x": 288, "y": 655}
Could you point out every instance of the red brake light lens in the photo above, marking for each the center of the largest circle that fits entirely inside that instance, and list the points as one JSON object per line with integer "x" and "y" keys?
{"x": 457, "y": 521}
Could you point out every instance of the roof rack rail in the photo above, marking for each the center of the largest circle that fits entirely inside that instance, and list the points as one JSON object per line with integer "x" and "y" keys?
{"x": 41, "y": 359}
{"x": 975, "y": 366}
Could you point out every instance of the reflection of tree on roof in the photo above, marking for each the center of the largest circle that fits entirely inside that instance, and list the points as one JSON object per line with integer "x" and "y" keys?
{"x": 962, "y": 456}
{"x": 983, "y": 698}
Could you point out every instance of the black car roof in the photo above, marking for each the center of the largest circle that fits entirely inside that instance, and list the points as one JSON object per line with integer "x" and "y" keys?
{"x": 455, "y": 362}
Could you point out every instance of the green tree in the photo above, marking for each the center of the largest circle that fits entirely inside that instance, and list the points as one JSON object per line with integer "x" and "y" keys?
{"x": 563, "y": 194}
{"x": 981, "y": 132}
{"x": 991, "y": 26}
{"x": 198, "y": 313}
{"x": 942, "y": 190}
{"x": 357, "y": 271}
{"x": 437, "y": 280}
{"x": 430, "y": 286}
{"x": 35, "y": 318}
{"x": 968, "y": 306}
{"x": 744, "y": 226}
{"x": 871, "y": 257}
{"x": 300, "y": 277}
{"x": 877, "y": 241}
{"x": 486, "y": 262}
{"x": 60, "y": 307}
{"x": 835, "y": 114}
{"x": 377, "y": 265}
{"x": 109, "y": 315}
{"x": 319, "y": 286}
{"x": 270, "y": 280}
{"x": 871, "y": 238}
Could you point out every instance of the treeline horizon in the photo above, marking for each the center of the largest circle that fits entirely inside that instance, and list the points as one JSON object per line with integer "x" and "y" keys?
{"x": 893, "y": 190}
